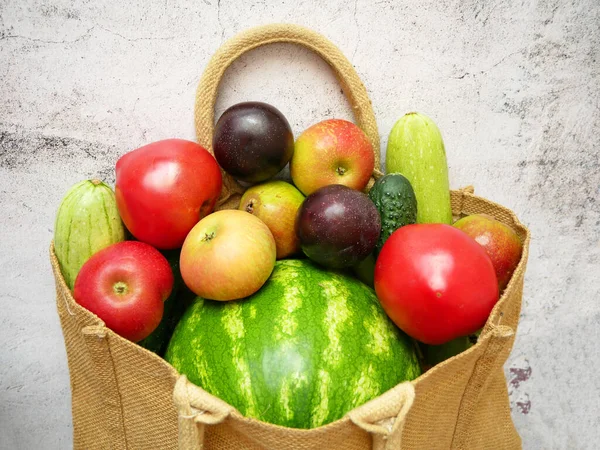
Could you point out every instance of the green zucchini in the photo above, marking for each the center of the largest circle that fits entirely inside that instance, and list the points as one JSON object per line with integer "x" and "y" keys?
{"x": 396, "y": 202}
{"x": 86, "y": 222}
{"x": 416, "y": 150}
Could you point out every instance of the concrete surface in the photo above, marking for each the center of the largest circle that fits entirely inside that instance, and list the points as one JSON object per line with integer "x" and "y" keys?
{"x": 513, "y": 85}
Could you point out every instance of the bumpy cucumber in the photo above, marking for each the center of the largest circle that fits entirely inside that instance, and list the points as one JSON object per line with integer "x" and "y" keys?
{"x": 416, "y": 150}
{"x": 86, "y": 222}
{"x": 395, "y": 200}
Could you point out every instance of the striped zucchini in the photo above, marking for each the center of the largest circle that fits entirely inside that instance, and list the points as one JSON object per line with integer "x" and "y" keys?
{"x": 87, "y": 221}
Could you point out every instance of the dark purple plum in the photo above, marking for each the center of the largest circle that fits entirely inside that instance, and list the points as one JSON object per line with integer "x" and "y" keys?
{"x": 253, "y": 141}
{"x": 337, "y": 226}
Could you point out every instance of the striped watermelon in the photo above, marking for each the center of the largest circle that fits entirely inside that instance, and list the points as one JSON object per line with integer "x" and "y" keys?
{"x": 303, "y": 351}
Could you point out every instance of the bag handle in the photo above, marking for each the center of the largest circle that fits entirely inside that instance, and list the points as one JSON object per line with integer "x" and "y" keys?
{"x": 196, "y": 408}
{"x": 206, "y": 94}
{"x": 96, "y": 341}
{"x": 383, "y": 417}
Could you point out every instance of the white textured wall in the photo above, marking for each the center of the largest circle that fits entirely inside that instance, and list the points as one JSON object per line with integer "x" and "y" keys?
{"x": 513, "y": 85}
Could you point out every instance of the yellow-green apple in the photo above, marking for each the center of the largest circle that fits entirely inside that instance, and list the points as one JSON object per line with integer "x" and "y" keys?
{"x": 276, "y": 203}
{"x": 125, "y": 285}
{"x": 334, "y": 151}
{"x": 228, "y": 255}
{"x": 501, "y": 243}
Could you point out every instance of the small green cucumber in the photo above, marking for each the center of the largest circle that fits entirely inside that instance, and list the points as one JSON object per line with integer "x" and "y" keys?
{"x": 396, "y": 202}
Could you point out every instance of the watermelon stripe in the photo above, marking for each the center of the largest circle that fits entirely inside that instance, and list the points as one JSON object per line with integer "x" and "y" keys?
{"x": 285, "y": 336}
{"x": 235, "y": 325}
{"x": 336, "y": 315}
{"x": 278, "y": 368}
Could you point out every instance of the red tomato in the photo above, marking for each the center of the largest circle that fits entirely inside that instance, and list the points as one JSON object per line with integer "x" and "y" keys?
{"x": 435, "y": 282}
{"x": 126, "y": 285}
{"x": 163, "y": 189}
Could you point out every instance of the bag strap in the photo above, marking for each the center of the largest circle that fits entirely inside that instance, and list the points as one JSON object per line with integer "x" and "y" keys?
{"x": 458, "y": 198}
{"x": 196, "y": 408}
{"x": 498, "y": 343}
{"x": 206, "y": 94}
{"x": 384, "y": 417}
{"x": 96, "y": 340}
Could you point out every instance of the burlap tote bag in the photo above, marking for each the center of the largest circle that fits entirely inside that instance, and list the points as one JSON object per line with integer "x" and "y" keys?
{"x": 125, "y": 397}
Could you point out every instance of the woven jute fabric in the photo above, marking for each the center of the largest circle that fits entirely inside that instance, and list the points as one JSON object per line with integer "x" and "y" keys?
{"x": 126, "y": 397}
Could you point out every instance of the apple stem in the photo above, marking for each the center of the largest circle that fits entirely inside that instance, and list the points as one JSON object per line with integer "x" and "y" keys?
{"x": 341, "y": 171}
{"x": 250, "y": 207}
{"x": 208, "y": 236}
{"x": 120, "y": 288}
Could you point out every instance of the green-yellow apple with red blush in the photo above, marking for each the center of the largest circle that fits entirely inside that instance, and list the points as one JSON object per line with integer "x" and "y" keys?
{"x": 333, "y": 151}
{"x": 228, "y": 255}
{"x": 501, "y": 243}
{"x": 276, "y": 203}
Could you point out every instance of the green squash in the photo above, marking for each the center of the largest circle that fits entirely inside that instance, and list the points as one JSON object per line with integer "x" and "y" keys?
{"x": 416, "y": 150}
{"x": 87, "y": 221}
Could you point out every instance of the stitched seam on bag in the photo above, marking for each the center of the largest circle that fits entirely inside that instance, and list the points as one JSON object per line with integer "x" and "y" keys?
{"x": 70, "y": 357}
{"x": 462, "y": 400}
{"x": 120, "y": 400}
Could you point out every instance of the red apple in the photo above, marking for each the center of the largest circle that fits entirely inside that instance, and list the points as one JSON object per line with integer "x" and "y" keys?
{"x": 501, "y": 243}
{"x": 276, "y": 203}
{"x": 125, "y": 285}
{"x": 163, "y": 189}
{"x": 334, "y": 151}
{"x": 228, "y": 255}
